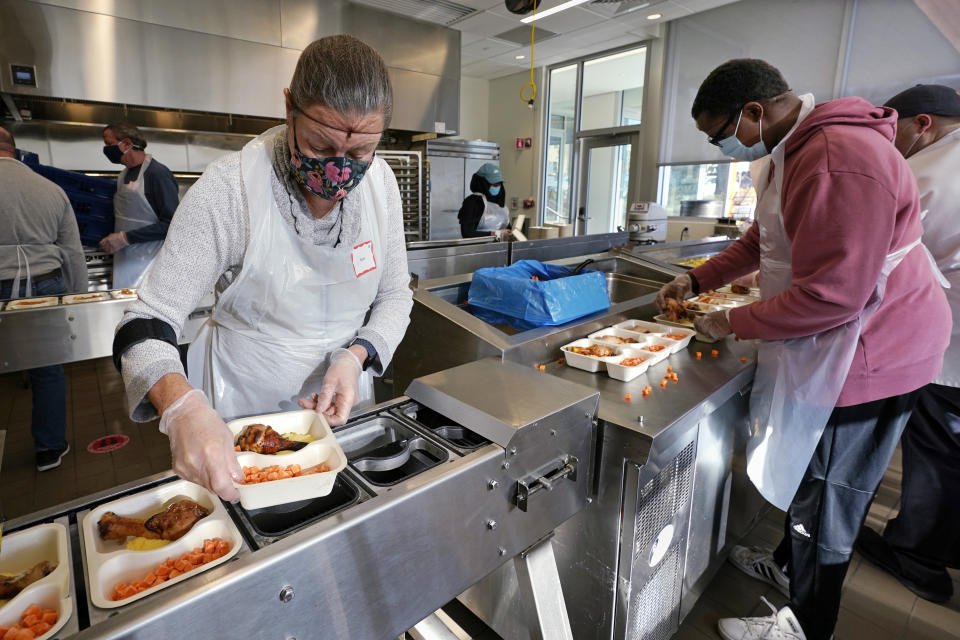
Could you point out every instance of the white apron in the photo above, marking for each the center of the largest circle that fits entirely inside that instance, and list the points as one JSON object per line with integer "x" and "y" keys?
{"x": 797, "y": 381}
{"x": 131, "y": 210}
{"x": 936, "y": 169}
{"x": 268, "y": 341}
{"x": 494, "y": 216}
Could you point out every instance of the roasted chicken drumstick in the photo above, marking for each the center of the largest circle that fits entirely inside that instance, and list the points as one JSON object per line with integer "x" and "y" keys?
{"x": 261, "y": 438}
{"x": 12, "y": 585}
{"x": 170, "y": 524}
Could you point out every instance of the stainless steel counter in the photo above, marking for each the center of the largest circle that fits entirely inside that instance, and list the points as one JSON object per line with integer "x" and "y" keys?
{"x": 666, "y": 255}
{"x": 376, "y": 568}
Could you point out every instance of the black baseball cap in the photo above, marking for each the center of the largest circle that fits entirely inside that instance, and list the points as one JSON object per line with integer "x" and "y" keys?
{"x": 935, "y": 99}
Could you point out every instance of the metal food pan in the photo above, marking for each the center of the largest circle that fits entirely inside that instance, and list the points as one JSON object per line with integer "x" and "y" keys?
{"x": 460, "y": 439}
{"x": 386, "y": 452}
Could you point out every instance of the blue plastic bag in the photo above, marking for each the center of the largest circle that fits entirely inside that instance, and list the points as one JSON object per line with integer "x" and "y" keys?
{"x": 511, "y": 294}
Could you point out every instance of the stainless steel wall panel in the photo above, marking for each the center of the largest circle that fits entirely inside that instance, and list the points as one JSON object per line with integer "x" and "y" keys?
{"x": 303, "y": 21}
{"x": 96, "y": 57}
{"x": 253, "y": 20}
{"x": 202, "y": 149}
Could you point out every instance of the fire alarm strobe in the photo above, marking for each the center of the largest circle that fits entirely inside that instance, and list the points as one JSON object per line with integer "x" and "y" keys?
{"x": 519, "y": 143}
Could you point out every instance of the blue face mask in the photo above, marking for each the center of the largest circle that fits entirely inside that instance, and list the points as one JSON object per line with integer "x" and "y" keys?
{"x": 738, "y": 151}
{"x": 494, "y": 191}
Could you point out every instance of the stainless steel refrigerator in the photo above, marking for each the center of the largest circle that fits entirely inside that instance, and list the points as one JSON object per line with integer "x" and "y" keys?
{"x": 452, "y": 164}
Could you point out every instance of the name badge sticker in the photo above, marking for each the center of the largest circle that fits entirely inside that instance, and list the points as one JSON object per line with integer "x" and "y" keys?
{"x": 363, "y": 258}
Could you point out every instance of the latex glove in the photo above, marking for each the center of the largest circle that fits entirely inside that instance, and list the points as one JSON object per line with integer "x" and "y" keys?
{"x": 114, "y": 242}
{"x": 750, "y": 280}
{"x": 503, "y": 235}
{"x": 714, "y": 325}
{"x": 201, "y": 445}
{"x": 678, "y": 288}
{"x": 339, "y": 390}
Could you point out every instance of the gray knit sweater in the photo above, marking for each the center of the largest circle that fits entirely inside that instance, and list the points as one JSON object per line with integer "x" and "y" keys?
{"x": 204, "y": 252}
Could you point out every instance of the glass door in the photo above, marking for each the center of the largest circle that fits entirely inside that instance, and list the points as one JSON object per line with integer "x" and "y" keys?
{"x": 607, "y": 179}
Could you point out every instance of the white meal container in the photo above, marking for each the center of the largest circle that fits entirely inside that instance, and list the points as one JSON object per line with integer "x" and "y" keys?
{"x": 80, "y": 298}
{"x": 23, "y": 550}
{"x": 120, "y": 295}
{"x": 324, "y": 450}
{"x": 599, "y": 336}
{"x": 587, "y": 363}
{"x": 620, "y": 372}
{"x": 678, "y": 344}
{"x": 754, "y": 292}
{"x": 110, "y": 562}
{"x": 720, "y": 301}
{"x": 683, "y": 325}
{"x": 28, "y": 303}
{"x": 641, "y": 326}
{"x": 655, "y": 356}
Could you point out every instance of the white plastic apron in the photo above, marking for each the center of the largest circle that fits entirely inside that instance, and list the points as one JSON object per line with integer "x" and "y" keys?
{"x": 797, "y": 381}
{"x": 494, "y": 216}
{"x": 131, "y": 210}
{"x": 268, "y": 341}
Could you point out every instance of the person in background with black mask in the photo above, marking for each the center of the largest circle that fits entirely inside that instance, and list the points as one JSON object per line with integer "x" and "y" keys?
{"x": 147, "y": 195}
{"x": 924, "y": 539}
{"x": 482, "y": 212}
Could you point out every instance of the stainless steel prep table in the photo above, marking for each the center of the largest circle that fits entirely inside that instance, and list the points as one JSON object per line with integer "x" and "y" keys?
{"x": 380, "y": 564}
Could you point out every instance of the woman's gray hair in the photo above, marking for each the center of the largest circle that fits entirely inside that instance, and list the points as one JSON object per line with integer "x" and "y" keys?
{"x": 345, "y": 74}
{"x": 123, "y": 130}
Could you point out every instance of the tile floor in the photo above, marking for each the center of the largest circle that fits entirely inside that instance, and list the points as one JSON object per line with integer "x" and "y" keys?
{"x": 874, "y": 607}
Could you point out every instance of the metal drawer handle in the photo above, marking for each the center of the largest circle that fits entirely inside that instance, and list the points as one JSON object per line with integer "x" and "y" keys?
{"x": 565, "y": 468}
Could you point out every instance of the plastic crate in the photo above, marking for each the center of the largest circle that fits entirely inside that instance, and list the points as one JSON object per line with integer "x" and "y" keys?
{"x": 73, "y": 182}
{"x": 28, "y": 158}
{"x": 94, "y": 216}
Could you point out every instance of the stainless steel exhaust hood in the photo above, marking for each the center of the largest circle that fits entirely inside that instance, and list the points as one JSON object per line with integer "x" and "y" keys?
{"x": 216, "y": 56}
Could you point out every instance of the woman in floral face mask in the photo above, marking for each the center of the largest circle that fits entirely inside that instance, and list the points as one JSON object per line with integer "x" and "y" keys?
{"x": 301, "y": 234}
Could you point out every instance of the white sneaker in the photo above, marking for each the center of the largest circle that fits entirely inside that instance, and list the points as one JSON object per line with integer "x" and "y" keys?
{"x": 760, "y": 564}
{"x": 780, "y": 625}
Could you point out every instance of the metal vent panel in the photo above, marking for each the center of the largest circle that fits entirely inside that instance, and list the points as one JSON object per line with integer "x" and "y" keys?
{"x": 436, "y": 11}
{"x": 521, "y": 35}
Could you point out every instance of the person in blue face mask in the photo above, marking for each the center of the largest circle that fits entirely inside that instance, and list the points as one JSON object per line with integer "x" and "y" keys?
{"x": 483, "y": 212}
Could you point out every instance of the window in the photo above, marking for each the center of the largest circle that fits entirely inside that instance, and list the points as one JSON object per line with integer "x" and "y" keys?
{"x": 726, "y": 182}
{"x": 561, "y": 114}
{"x": 613, "y": 90}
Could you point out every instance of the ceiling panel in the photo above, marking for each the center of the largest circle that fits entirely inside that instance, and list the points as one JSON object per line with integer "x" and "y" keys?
{"x": 487, "y": 48}
{"x": 486, "y": 69}
{"x": 487, "y": 23}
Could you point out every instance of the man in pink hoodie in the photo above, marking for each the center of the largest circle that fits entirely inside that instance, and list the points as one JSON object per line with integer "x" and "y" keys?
{"x": 844, "y": 283}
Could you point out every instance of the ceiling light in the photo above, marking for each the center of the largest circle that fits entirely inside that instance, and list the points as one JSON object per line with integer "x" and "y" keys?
{"x": 654, "y": 16}
{"x": 520, "y": 57}
{"x": 549, "y": 12}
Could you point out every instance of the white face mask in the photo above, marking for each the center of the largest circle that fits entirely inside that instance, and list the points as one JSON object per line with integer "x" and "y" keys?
{"x": 738, "y": 151}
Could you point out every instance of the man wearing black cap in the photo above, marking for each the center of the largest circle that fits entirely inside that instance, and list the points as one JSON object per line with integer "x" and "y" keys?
{"x": 924, "y": 539}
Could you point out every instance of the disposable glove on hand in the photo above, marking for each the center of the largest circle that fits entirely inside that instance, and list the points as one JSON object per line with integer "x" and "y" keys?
{"x": 201, "y": 445}
{"x": 713, "y": 325}
{"x": 678, "y": 288}
{"x": 751, "y": 280}
{"x": 114, "y": 242}
{"x": 339, "y": 390}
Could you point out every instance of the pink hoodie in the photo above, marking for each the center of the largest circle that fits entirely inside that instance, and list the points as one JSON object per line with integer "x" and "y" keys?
{"x": 848, "y": 199}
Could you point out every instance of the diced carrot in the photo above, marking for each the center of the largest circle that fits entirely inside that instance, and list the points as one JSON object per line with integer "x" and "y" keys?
{"x": 29, "y": 621}
{"x": 50, "y": 612}
{"x": 663, "y": 383}
{"x": 32, "y": 610}
{"x": 236, "y": 448}
{"x": 22, "y": 634}
{"x": 209, "y": 546}
{"x": 174, "y": 573}
{"x": 151, "y": 579}
{"x": 3, "y": 631}
{"x": 699, "y": 355}
{"x": 162, "y": 571}
{"x": 742, "y": 359}
{"x": 669, "y": 368}
{"x": 714, "y": 353}
{"x": 41, "y": 628}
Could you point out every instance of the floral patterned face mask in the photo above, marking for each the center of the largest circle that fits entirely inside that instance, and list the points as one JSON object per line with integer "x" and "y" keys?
{"x": 331, "y": 178}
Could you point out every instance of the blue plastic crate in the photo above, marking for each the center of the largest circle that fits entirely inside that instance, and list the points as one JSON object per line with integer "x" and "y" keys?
{"x": 93, "y": 229}
{"x": 74, "y": 182}
{"x": 28, "y": 158}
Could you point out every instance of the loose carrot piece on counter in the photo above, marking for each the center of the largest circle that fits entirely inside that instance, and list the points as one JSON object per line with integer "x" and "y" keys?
{"x": 742, "y": 359}
{"x": 663, "y": 384}
{"x": 627, "y": 397}
{"x": 646, "y": 392}
{"x": 714, "y": 353}
{"x": 669, "y": 368}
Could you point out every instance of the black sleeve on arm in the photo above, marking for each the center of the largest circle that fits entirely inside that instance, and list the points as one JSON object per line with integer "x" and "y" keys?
{"x": 139, "y": 330}
{"x": 470, "y": 213}
{"x": 694, "y": 283}
{"x": 161, "y": 191}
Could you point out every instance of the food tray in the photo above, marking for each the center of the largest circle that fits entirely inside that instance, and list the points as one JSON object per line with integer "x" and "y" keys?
{"x": 109, "y": 561}
{"x": 24, "y": 549}
{"x": 754, "y": 292}
{"x": 324, "y": 450}
{"x": 586, "y": 363}
{"x": 32, "y": 303}
{"x": 620, "y": 372}
{"x": 641, "y": 326}
{"x": 678, "y": 344}
{"x": 717, "y": 300}
{"x": 683, "y": 325}
{"x": 386, "y": 452}
{"x": 655, "y": 356}
{"x": 123, "y": 294}
{"x": 619, "y": 333}
{"x": 80, "y": 298}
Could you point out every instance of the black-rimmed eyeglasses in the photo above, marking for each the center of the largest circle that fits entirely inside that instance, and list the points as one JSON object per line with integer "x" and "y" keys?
{"x": 715, "y": 139}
